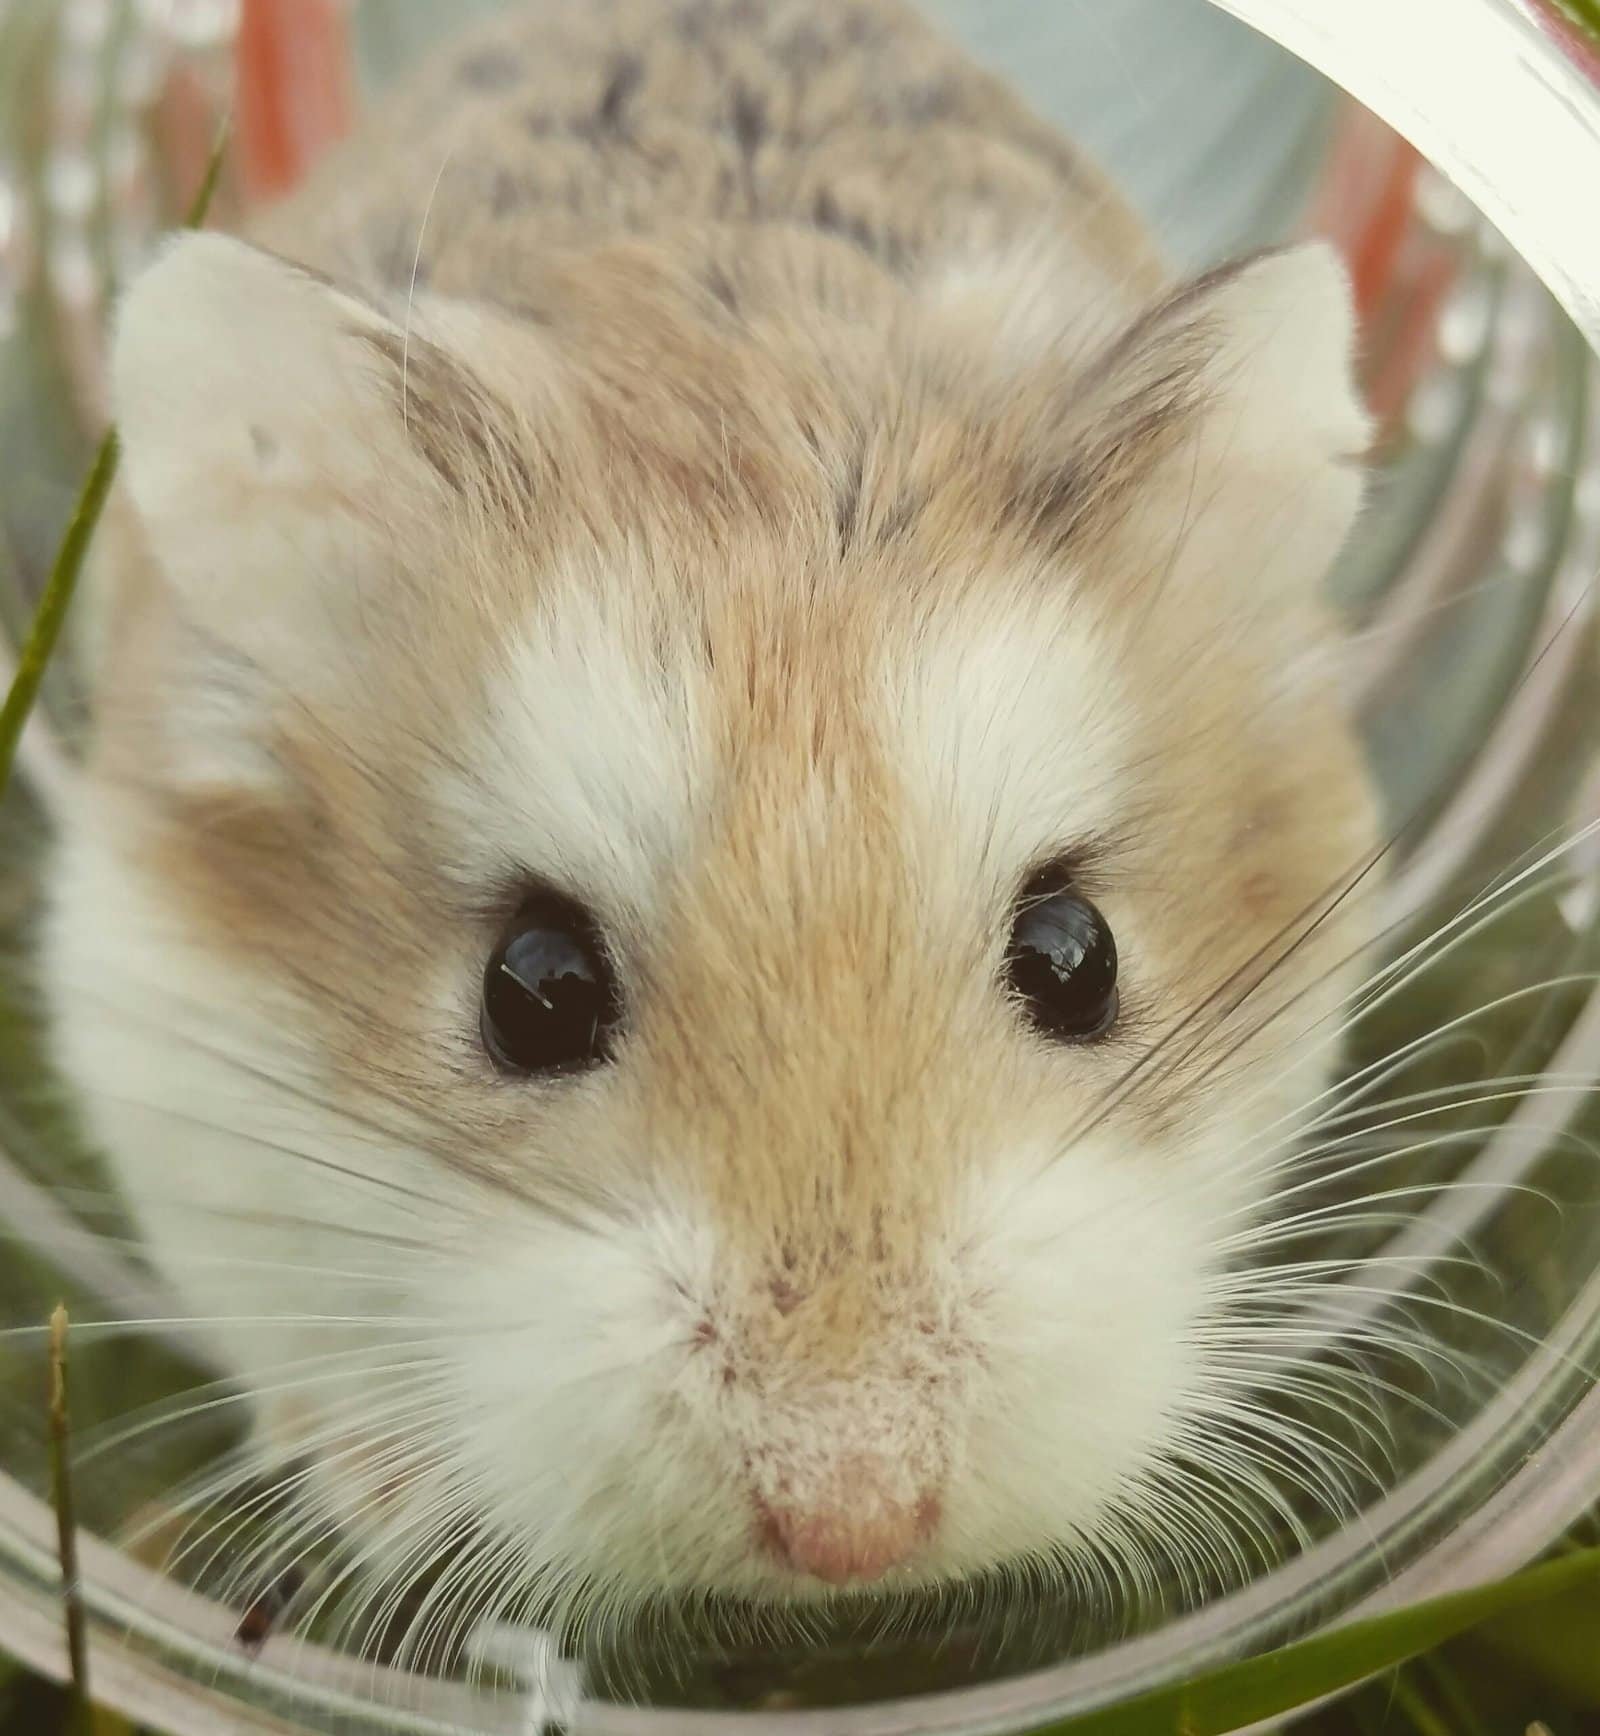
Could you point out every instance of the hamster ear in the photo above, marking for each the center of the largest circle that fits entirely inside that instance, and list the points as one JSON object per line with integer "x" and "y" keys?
{"x": 290, "y": 459}
{"x": 258, "y": 426}
{"x": 1282, "y": 373}
{"x": 1251, "y": 369}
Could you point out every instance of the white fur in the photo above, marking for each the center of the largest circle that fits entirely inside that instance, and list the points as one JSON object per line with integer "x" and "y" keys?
{"x": 587, "y": 758}
{"x": 193, "y": 1083}
{"x": 1288, "y": 331}
{"x": 247, "y": 460}
{"x": 1274, "y": 482}
{"x": 1012, "y": 728}
{"x": 257, "y": 469}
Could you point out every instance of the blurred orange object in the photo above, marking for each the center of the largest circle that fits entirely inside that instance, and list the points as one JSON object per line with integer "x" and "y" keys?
{"x": 292, "y": 90}
{"x": 1399, "y": 276}
{"x": 1364, "y": 204}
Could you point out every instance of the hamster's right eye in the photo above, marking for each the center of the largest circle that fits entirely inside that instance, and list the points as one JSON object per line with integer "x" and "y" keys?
{"x": 550, "y": 1000}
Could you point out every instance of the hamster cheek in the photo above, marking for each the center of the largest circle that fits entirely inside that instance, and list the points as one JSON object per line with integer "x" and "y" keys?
{"x": 1091, "y": 1272}
{"x": 569, "y": 1348}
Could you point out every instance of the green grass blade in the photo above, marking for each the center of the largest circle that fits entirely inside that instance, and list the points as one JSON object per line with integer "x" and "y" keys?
{"x": 200, "y": 204}
{"x": 45, "y": 630}
{"x": 1241, "y": 1694}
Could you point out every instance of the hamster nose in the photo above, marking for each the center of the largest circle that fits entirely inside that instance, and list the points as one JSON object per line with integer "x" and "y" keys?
{"x": 852, "y": 1538}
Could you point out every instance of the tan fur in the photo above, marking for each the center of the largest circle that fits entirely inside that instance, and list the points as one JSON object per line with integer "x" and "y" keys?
{"x": 706, "y": 346}
{"x": 562, "y": 125}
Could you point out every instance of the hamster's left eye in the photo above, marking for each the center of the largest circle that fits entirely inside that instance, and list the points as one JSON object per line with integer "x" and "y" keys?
{"x": 1062, "y": 962}
{"x": 550, "y": 1000}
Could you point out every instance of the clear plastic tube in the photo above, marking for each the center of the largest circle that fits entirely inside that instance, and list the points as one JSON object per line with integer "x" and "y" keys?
{"x": 1493, "y": 511}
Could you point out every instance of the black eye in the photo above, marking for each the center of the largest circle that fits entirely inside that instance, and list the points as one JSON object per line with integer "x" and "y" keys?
{"x": 1063, "y": 963}
{"x": 549, "y": 997}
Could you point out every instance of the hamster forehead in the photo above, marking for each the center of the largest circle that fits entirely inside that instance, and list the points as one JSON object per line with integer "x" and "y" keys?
{"x": 609, "y": 750}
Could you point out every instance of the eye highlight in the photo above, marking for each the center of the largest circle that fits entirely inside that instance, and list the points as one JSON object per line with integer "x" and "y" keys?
{"x": 550, "y": 1001}
{"x": 1062, "y": 964}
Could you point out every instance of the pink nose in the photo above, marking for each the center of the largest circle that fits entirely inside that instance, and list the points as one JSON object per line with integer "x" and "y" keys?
{"x": 849, "y": 1540}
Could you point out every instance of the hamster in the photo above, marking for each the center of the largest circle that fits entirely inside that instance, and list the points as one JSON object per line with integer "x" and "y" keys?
{"x": 710, "y": 887}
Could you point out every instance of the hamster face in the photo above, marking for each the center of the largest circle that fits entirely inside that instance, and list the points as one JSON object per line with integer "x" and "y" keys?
{"x": 777, "y": 661}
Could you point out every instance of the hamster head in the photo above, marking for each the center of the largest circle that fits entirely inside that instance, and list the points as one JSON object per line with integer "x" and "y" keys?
{"x": 704, "y": 914}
